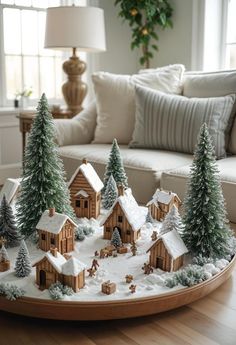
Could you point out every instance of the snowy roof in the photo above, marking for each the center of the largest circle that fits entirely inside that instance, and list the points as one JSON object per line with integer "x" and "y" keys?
{"x": 53, "y": 224}
{"x": 91, "y": 176}
{"x": 162, "y": 196}
{"x": 73, "y": 267}
{"x": 83, "y": 193}
{"x": 10, "y": 188}
{"x": 135, "y": 214}
{"x": 173, "y": 242}
{"x": 56, "y": 261}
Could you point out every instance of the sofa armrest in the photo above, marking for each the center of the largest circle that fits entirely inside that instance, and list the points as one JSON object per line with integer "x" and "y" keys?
{"x": 79, "y": 130}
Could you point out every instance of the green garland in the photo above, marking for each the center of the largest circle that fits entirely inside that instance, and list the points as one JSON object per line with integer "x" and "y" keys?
{"x": 143, "y": 17}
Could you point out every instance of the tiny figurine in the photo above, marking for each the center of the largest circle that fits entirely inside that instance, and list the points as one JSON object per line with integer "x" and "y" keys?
{"x": 8, "y": 227}
{"x": 132, "y": 288}
{"x": 22, "y": 264}
{"x": 4, "y": 258}
{"x": 122, "y": 250}
{"x": 161, "y": 203}
{"x": 91, "y": 272}
{"x": 96, "y": 253}
{"x": 95, "y": 264}
{"x": 129, "y": 278}
{"x": 56, "y": 229}
{"x": 147, "y": 268}
{"x": 154, "y": 235}
{"x": 54, "y": 267}
{"x": 167, "y": 252}
{"x": 104, "y": 253}
{"x": 108, "y": 288}
{"x": 126, "y": 216}
{"x": 133, "y": 248}
{"x": 85, "y": 189}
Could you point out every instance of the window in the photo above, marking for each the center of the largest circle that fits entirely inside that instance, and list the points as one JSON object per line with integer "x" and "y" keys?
{"x": 120, "y": 219}
{"x": 230, "y": 36}
{"x": 43, "y": 237}
{"x": 52, "y": 240}
{"x": 128, "y": 232}
{"x": 85, "y": 204}
{"x": 108, "y": 229}
{"x": 24, "y": 63}
{"x": 77, "y": 203}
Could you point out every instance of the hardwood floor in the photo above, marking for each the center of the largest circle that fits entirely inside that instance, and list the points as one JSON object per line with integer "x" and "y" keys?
{"x": 209, "y": 321}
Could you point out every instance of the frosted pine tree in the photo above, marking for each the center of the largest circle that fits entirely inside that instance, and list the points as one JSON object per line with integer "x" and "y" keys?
{"x": 172, "y": 221}
{"x": 3, "y": 254}
{"x": 43, "y": 184}
{"x": 115, "y": 167}
{"x": 205, "y": 230}
{"x": 22, "y": 265}
{"x": 8, "y": 228}
{"x": 115, "y": 238}
{"x": 110, "y": 194}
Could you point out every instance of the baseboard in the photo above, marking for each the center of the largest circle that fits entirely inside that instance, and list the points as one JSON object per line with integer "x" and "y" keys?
{"x": 9, "y": 170}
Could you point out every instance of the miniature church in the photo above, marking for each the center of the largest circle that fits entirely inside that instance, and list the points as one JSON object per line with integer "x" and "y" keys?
{"x": 161, "y": 203}
{"x": 125, "y": 215}
{"x": 85, "y": 190}
{"x": 167, "y": 252}
{"x": 56, "y": 230}
{"x": 55, "y": 267}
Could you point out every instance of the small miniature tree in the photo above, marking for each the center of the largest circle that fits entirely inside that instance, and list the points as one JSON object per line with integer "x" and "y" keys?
{"x": 115, "y": 167}
{"x": 8, "y": 228}
{"x": 205, "y": 230}
{"x": 149, "y": 218}
{"x": 3, "y": 254}
{"x": 115, "y": 238}
{"x": 22, "y": 265}
{"x": 110, "y": 194}
{"x": 172, "y": 221}
{"x": 43, "y": 184}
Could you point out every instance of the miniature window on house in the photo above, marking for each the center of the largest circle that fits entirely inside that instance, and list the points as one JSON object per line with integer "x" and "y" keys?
{"x": 77, "y": 203}
{"x": 52, "y": 240}
{"x": 85, "y": 204}
{"x": 43, "y": 237}
{"x": 108, "y": 229}
{"x": 128, "y": 232}
{"x": 120, "y": 219}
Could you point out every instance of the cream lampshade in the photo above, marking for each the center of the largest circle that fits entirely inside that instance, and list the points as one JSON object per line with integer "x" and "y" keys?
{"x": 72, "y": 27}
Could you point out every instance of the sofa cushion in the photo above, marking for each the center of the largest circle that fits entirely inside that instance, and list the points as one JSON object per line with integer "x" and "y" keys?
{"x": 115, "y": 99}
{"x": 214, "y": 84}
{"x": 176, "y": 180}
{"x": 143, "y": 167}
{"x": 171, "y": 122}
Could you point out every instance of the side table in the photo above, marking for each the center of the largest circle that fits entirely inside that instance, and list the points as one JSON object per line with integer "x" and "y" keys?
{"x": 26, "y": 118}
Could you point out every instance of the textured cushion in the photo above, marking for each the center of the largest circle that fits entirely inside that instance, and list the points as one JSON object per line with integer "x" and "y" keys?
{"x": 116, "y": 101}
{"x": 172, "y": 122}
{"x": 214, "y": 84}
{"x": 143, "y": 167}
{"x": 176, "y": 180}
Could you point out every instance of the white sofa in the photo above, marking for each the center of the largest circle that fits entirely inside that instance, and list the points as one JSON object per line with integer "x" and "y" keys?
{"x": 146, "y": 169}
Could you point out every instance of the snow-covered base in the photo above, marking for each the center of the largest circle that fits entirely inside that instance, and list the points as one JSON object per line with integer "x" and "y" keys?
{"x": 113, "y": 268}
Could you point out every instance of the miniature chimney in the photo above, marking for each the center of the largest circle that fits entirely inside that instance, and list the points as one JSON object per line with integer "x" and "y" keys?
{"x": 51, "y": 211}
{"x": 120, "y": 189}
{"x": 53, "y": 251}
{"x": 84, "y": 161}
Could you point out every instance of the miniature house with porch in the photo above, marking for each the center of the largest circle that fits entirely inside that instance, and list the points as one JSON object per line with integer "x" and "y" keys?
{"x": 56, "y": 230}
{"x": 167, "y": 253}
{"x": 126, "y": 215}
{"x": 85, "y": 190}
{"x": 162, "y": 202}
{"x": 55, "y": 267}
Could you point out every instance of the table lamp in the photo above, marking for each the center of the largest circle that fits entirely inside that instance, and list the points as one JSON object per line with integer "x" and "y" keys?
{"x": 72, "y": 27}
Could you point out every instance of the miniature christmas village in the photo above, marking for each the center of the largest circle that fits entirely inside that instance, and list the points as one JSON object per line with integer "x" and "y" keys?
{"x": 90, "y": 240}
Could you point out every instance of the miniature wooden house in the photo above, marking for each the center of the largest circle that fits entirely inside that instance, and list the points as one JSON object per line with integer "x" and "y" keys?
{"x": 167, "y": 252}
{"x": 85, "y": 190}
{"x": 126, "y": 215}
{"x": 55, "y": 267}
{"x": 161, "y": 203}
{"x": 56, "y": 230}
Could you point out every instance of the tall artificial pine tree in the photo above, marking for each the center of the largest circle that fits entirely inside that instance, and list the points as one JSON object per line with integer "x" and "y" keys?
{"x": 115, "y": 238}
{"x": 205, "y": 230}
{"x": 172, "y": 221}
{"x": 115, "y": 167}
{"x": 22, "y": 265}
{"x": 43, "y": 184}
{"x": 110, "y": 194}
{"x": 8, "y": 228}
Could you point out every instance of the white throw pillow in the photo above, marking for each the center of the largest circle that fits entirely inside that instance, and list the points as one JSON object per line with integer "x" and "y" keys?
{"x": 115, "y": 99}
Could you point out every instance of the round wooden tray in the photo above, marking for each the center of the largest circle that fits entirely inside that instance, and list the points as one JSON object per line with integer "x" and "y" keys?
{"x": 68, "y": 310}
